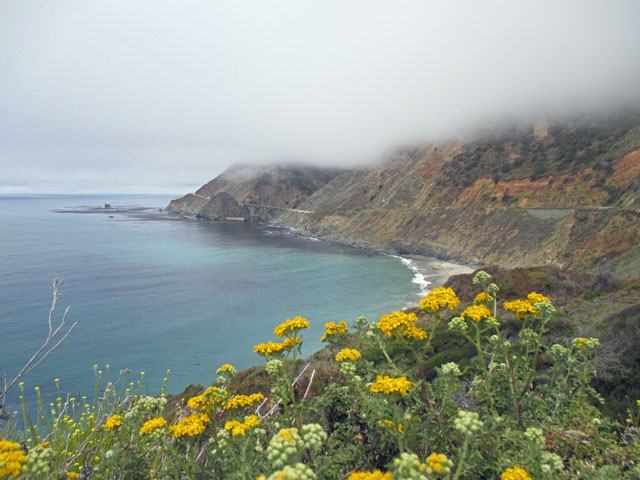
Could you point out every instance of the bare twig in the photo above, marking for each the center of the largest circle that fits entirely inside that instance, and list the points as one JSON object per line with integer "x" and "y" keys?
{"x": 294, "y": 382}
{"x": 39, "y": 356}
{"x": 310, "y": 382}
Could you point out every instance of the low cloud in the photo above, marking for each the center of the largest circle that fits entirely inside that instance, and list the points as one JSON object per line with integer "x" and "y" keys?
{"x": 169, "y": 94}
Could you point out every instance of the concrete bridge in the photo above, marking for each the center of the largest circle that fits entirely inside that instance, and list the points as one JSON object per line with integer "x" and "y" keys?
{"x": 268, "y": 210}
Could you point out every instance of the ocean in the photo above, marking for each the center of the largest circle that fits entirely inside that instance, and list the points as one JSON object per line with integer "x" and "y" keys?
{"x": 152, "y": 291}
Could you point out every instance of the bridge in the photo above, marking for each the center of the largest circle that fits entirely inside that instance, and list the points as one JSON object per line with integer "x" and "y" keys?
{"x": 255, "y": 210}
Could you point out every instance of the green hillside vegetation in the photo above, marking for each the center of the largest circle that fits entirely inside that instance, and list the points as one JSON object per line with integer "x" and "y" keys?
{"x": 487, "y": 378}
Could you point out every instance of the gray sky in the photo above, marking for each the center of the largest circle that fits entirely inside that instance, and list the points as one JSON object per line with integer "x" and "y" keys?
{"x": 160, "y": 96}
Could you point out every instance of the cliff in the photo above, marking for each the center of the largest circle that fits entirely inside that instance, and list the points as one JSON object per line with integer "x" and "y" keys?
{"x": 553, "y": 194}
{"x": 282, "y": 186}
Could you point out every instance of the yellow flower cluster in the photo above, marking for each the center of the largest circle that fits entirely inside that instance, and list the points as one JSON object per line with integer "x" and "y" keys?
{"x": 150, "y": 425}
{"x": 240, "y": 401}
{"x": 298, "y": 323}
{"x": 210, "y": 398}
{"x": 534, "y": 298}
{"x": 226, "y": 368}
{"x": 367, "y": 475}
{"x": 348, "y": 354}
{"x": 269, "y": 348}
{"x": 515, "y": 473}
{"x": 522, "y": 307}
{"x": 12, "y": 457}
{"x": 388, "y": 385}
{"x": 482, "y": 298}
{"x": 435, "y": 461}
{"x": 334, "y": 329}
{"x": 194, "y": 424}
{"x": 112, "y": 422}
{"x": 237, "y": 428}
{"x": 440, "y": 298}
{"x": 477, "y": 313}
{"x": 401, "y": 324}
{"x": 580, "y": 342}
{"x": 392, "y": 426}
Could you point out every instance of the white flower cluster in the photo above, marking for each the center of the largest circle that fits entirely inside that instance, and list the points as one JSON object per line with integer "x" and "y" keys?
{"x": 348, "y": 368}
{"x": 551, "y": 462}
{"x": 409, "y": 467}
{"x": 535, "y": 436}
{"x": 468, "y": 423}
{"x": 451, "y": 368}
{"x": 558, "y": 352}
{"x": 458, "y": 324}
{"x": 285, "y": 447}
{"x": 299, "y": 471}
{"x": 145, "y": 407}
{"x": 38, "y": 463}
{"x": 548, "y": 461}
{"x": 313, "y": 436}
{"x": 219, "y": 443}
{"x": 274, "y": 367}
{"x": 528, "y": 337}
{"x": 481, "y": 277}
{"x": 546, "y": 308}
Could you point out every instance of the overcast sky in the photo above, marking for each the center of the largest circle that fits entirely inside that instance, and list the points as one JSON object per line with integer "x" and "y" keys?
{"x": 161, "y": 96}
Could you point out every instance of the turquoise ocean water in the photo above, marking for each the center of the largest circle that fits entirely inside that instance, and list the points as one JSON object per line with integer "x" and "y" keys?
{"x": 152, "y": 293}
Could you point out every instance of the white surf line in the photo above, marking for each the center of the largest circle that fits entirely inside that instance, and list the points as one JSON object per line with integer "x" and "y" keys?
{"x": 418, "y": 277}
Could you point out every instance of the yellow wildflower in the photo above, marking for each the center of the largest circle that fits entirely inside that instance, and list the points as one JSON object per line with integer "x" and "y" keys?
{"x": 12, "y": 457}
{"x": 515, "y": 473}
{"x": 440, "y": 298}
{"x": 482, "y": 298}
{"x": 580, "y": 342}
{"x": 298, "y": 323}
{"x": 290, "y": 342}
{"x": 435, "y": 461}
{"x": 534, "y": 298}
{"x": 150, "y": 425}
{"x": 520, "y": 307}
{"x": 238, "y": 428}
{"x": 192, "y": 425}
{"x": 227, "y": 367}
{"x": 112, "y": 422}
{"x": 334, "y": 329}
{"x": 198, "y": 402}
{"x": 348, "y": 354}
{"x": 388, "y": 385}
{"x": 73, "y": 475}
{"x": 401, "y": 323}
{"x": 266, "y": 349}
{"x": 240, "y": 401}
{"x": 392, "y": 426}
{"x": 476, "y": 312}
{"x": 367, "y": 475}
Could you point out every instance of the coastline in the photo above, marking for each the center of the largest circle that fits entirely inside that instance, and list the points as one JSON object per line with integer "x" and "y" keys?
{"x": 429, "y": 272}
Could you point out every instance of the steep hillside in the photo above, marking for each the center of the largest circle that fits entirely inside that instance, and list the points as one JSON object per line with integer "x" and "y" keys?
{"x": 284, "y": 186}
{"x": 564, "y": 195}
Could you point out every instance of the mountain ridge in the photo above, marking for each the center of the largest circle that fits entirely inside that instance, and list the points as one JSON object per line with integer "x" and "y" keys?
{"x": 562, "y": 194}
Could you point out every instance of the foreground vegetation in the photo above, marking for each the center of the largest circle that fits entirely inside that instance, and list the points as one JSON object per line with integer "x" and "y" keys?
{"x": 386, "y": 404}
